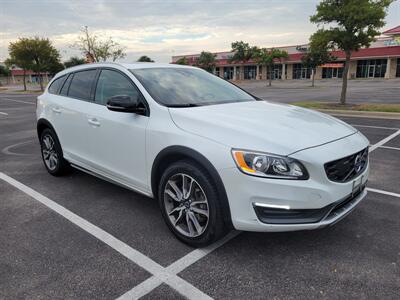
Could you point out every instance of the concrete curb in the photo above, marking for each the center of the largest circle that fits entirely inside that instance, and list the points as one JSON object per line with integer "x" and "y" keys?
{"x": 362, "y": 114}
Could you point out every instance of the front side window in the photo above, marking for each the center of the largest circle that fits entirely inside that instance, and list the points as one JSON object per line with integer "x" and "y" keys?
{"x": 56, "y": 85}
{"x": 81, "y": 85}
{"x": 188, "y": 87}
{"x": 112, "y": 83}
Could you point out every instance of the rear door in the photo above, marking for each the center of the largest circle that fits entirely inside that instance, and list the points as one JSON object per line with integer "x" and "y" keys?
{"x": 118, "y": 142}
{"x": 75, "y": 103}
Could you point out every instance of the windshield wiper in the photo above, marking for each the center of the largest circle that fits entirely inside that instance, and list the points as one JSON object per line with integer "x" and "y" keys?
{"x": 183, "y": 105}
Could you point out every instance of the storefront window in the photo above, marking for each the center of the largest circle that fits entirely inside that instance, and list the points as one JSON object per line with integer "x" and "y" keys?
{"x": 332, "y": 72}
{"x": 301, "y": 72}
{"x": 372, "y": 68}
{"x": 276, "y": 72}
{"x": 228, "y": 73}
{"x": 398, "y": 68}
{"x": 250, "y": 72}
{"x": 217, "y": 71}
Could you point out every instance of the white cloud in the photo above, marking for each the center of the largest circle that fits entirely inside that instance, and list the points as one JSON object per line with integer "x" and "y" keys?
{"x": 163, "y": 28}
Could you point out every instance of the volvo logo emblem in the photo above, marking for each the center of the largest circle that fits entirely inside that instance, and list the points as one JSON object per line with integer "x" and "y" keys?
{"x": 358, "y": 163}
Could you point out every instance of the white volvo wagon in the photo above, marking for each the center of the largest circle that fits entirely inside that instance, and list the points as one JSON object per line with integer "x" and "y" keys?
{"x": 213, "y": 155}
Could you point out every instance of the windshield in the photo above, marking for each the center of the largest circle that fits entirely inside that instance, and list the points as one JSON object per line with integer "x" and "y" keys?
{"x": 181, "y": 87}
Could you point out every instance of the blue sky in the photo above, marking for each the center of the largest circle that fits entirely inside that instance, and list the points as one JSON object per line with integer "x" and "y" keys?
{"x": 161, "y": 29}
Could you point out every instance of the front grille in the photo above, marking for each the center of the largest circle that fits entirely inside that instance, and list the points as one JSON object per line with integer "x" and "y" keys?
{"x": 347, "y": 168}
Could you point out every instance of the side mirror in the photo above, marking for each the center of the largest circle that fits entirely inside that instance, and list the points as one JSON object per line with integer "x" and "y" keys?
{"x": 124, "y": 103}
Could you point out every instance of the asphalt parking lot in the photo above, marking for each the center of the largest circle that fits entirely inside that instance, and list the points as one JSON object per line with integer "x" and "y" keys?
{"x": 81, "y": 237}
{"x": 326, "y": 90}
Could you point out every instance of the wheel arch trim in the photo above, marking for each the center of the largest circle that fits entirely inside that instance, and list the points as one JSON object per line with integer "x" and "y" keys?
{"x": 186, "y": 152}
{"x": 46, "y": 123}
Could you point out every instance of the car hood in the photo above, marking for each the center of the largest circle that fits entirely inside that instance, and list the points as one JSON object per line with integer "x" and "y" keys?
{"x": 261, "y": 126}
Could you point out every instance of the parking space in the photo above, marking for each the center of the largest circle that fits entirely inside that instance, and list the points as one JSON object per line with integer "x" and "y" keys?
{"x": 44, "y": 254}
{"x": 326, "y": 90}
{"x": 386, "y": 166}
{"x": 394, "y": 143}
{"x": 352, "y": 259}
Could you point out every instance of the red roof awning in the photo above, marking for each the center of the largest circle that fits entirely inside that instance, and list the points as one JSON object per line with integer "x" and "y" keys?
{"x": 379, "y": 52}
{"x": 395, "y": 30}
{"x": 19, "y": 72}
{"x": 362, "y": 53}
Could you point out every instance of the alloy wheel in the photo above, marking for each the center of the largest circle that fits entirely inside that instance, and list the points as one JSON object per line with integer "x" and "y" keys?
{"x": 186, "y": 205}
{"x": 49, "y": 152}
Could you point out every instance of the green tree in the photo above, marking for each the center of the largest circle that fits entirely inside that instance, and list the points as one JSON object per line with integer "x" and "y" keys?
{"x": 55, "y": 67}
{"x": 317, "y": 54}
{"x": 19, "y": 56}
{"x": 98, "y": 50}
{"x": 268, "y": 57}
{"x": 352, "y": 24}
{"x": 74, "y": 61}
{"x": 37, "y": 54}
{"x": 242, "y": 52}
{"x": 45, "y": 58}
{"x": 145, "y": 58}
{"x": 4, "y": 71}
{"x": 206, "y": 61}
{"x": 182, "y": 61}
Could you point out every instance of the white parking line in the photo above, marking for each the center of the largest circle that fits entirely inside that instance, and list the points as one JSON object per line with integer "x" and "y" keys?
{"x": 158, "y": 271}
{"x": 388, "y": 147}
{"x": 384, "y": 141}
{"x": 383, "y": 192}
{"x": 20, "y": 101}
{"x": 176, "y": 267}
{"x": 376, "y": 127}
{"x": 192, "y": 257}
{"x": 3, "y": 113}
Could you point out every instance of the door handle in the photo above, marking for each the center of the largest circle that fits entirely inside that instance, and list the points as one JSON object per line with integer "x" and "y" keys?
{"x": 94, "y": 122}
{"x": 57, "y": 110}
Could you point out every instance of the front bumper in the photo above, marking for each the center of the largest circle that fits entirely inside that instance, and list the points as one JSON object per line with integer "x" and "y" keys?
{"x": 314, "y": 203}
{"x": 328, "y": 214}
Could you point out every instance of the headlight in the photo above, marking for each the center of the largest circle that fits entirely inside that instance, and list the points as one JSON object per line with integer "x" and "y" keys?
{"x": 269, "y": 165}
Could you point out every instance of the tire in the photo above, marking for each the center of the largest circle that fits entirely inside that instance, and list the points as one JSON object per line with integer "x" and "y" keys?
{"x": 179, "y": 208}
{"x": 52, "y": 154}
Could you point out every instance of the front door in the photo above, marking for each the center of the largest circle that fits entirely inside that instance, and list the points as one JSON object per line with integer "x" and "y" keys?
{"x": 371, "y": 71}
{"x": 118, "y": 138}
{"x": 303, "y": 73}
{"x": 277, "y": 74}
{"x": 334, "y": 73}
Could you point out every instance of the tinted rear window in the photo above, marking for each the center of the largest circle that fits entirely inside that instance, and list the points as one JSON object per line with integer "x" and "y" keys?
{"x": 81, "y": 85}
{"x": 64, "y": 89}
{"x": 56, "y": 85}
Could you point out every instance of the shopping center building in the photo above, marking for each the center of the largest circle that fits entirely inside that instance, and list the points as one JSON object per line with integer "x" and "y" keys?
{"x": 380, "y": 60}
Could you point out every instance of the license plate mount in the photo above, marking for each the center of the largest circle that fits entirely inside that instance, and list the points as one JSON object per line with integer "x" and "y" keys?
{"x": 358, "y": 186}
